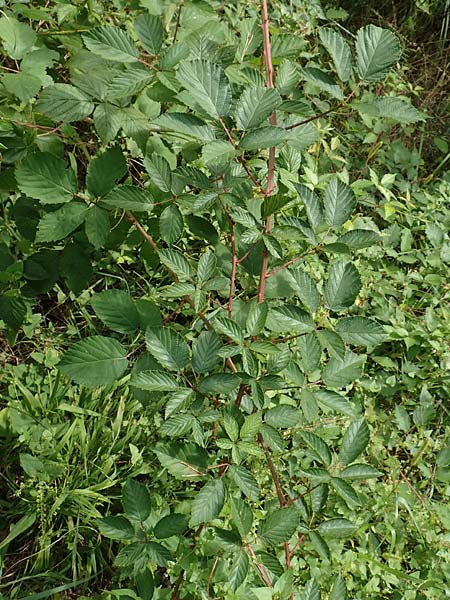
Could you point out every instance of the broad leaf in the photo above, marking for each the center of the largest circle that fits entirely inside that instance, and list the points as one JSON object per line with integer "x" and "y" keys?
{"x": 377, "y": 50}
{"x": 174, "y": 524}
{"x": 159, "y": 170}
{"x": 323, "y": 81}
{"x": 336, "y": 402}
{"x": 96, "y": 360}
{"x": 60, "y": 223}
{"x": 129, "y": 197}
{"x": 312, "y": 205}
{"x": 289, "y": 318}
{"x": 150, "y": 31}
{"x": 305, "y": 288}
{"x": 238, "y": 571}
{"x": 168, "y": 347}
{"x": 339, "y": 50}
{"x": 205, "y": 351}
{"x": 245, "y": 482}
{"x": 104, "y": 170}
{"x": 255, "y": 105}
{"x": 46, "y": 177}
{"x": 264, "y": 137}
{"x": 18, "y": 38}
{"x": 337, "y": 528}
{"x": 360, "y": 331}
{"x": 279, "y": 526}
{"x": 97, "y": 226}
{"x": 111, "y": 43}
{"x": 339, "y": 202}
{"x": 342, "y": 287}
{"x": 256, "y": 318}
{"x": 116, "y": 528}
{"x": 339, "y": 372}
{"x": 359, "y": 471}
{"x": 171, "y": 224}
{"x": 312, "y": 591}
{"x": 136, "y": 500}
{"x": 117, "y": 310}
{"x": 176, "y": 262}
{"x": 155, "y": 381}
{"x": 354, "y": 442}
{"x": 64, "y": 102}
{"x": 359, "y": 238}
{"x": 208, "y": 502}
{"x": 339, "y": 590}
{"x": 219, "y": 383}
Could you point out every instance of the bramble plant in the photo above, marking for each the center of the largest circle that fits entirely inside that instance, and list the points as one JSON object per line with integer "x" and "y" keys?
{"x": 206, "y": 147}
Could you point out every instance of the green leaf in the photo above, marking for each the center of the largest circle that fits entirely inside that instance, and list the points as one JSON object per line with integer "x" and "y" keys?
{"x": 76, "y": 267}
{"x": 45, "y": 177}
{"x": 22, "y": 85}
{"x": 311, "y": 591}
{"x": 58, "y": 224}
{"x": 64, "y": 102}
{"x": 208, "y": 86}
{"x": 390, "y": 107}
{"x": 318, "y": 446}
{"x": 229, "y": 328}
{"x": 360, "y": 472}
{"x": 157, "y": 554}
{"x": 312, "y": 205}
{"x": 129, "y": 82}
{"x": 145, "y": 584}
{"x": 168, "y": 347}
{"x": 219, "y": 383}
{"x": 336, "y": 402}
{"x": 159, "y": 170}
{"x": 241, "y": 515}
{"x": 218, "y": 152}
{"x": 342, "y": 287}
{"x": 238, "y": 570}
{"x": 208, "y": 502}
{"x": 188, "y": 125}
{"x": 339, "y": 372}
{"x": 339, "y": 202}
{"x": 154, "y": 381}
{"x": 95, "y": 360}
{"x": 97, "y": 226}
{"x": 320, "y": 545}
{"x": 346, "y": 492}
{"x": 332, "y": 342}
{"x": 279, "y": 526}
{"x": 359, "y": 238}
{"x": 255, "y": 105}
{"x": 129, "y": 197}
{"x": 354, "y": 442}
{"x": 187, "y": 461}
{"x": 18, "y": 38}
{"x": 108, "y": 119}
{"x": 177, "y": 425}
{"x": 174, "y": 524}
{"x": 136, "y": 500}
{"x": 282, "y": 416}
{"x": 116, "y": 528}
{"x": 256, "y": 318}
{"x": 150, "y": 31}
{"x": 104, "y": 170}
{"x": 117, "y": 310}
{"x": 323, "y": 81}
{"x": 305, "y": 288}
{"x": 264, "y": 137}
{"x": 338, "y": 591}
{"x": 289, "y": 318}
{"x": 205, "y": 351}
{"x": 177, "y": 263}
{"x": 171, "y": 224}
{"x": 132, "y": 556}
{"x": 339, "y": 51}
{"x": 377, "y": 50}
{"x": 360, "y": 331}
{"x": 206, "y": 268}
{"x": 245, "y": 482}
{"x": 337, "y": 528}
{"x": 111, "y": 43}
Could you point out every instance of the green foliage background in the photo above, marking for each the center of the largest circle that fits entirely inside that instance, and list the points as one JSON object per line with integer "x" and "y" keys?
{"x": 163, "y": 436}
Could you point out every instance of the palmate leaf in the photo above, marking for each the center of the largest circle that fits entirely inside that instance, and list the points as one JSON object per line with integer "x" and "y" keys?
{"x": 339, "y": 202}
{"x": 339, "y": 50}
{"x": 111, "y": 43}
{"x": 96, "y": 360}
{"x": 150, "y": 31}
{"x": 46, "y": 177}
{"x": 255, "y": 105}
{"x": 377, "y": 50}
{"x": 208, "y": 502}
{"x": 64, "y": 102}
{"x": 342, "y": 286}
{"x": 207, "y": 84}
{"x": 168, "y": 347}
{"x": 117, "y": 310}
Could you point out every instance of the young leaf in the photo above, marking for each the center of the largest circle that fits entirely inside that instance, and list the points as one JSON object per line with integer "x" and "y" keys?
{"x": 339, "y": 202}
{"x": 46, "y": 177}
{"x": 111, "y": 43}
{"x": 255, "y": 105}
{"x": 360, "y": 331}
{"x": 150, "y": 31}
{"x": 208, "y": 86}
{"x": 339, "y": 50}
{"x": 208, "y": 502}
{"x": 136, "y": 500}
{"x": 377, "y": 50}
{"x": 354, "y": 442}
{"x": 342, "y": 287}
{"x": 117, "y": 310}
{"x": 64, "y": 102}
{"x": 279, "y": 526}
{"x": 95, "y": 360}
{"x": 168, "y": 347}
{"x": 104, "y": 170}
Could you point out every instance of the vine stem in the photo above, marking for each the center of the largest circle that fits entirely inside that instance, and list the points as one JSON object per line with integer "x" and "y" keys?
{"x": 234, "y": 263}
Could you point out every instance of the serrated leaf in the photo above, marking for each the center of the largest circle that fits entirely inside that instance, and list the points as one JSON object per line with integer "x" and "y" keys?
{"x": 355, "y": 441}
{"x": 305, "y": 288}
{"x": 136, "y": 500}
{"x": 339, "y": 590}
{"x": 346, "y": 492}
{"x": 318, "y": 446}
{"x": 64, "y": 102}
{"x": 129, "y": 197}
{"x": 18, "y": 38}
{"x": 360, "y": 472}
{"x": 229, "y": 328}
{"x": 46, "y": 177}
{"x": 312, "y": 205}
{"x": 339, "y": 372}
{"x": 255, "y": 105}
{"x": 279, "y": 526}
{"x": 157, "y": 553}
{"x": 154, "y": 381}
{"x": 171, "y": 224}
{"x": 242, "y": 517}
{"x": 22, "y": 85}
{"x": 132, "y": 556}
{"x": 282, "y": 416}
{"x": 311, "y": 591}
{"x": 336, "y": 402}
{"x": 150, "y": 31}
{"x": 208, "y": 502}
{"x": 145, "y": 584}
{"x": 104, "y": 170}
{"x": 218, "y": 152}
{"x": 206, "y": 267}
{"x": 332, "y": 342}
{"x": 58, "y": 224}
{"x": 323, "y": 81}
{"x": 359, "y": 238}
{"x": 208, "y": 86}
{"x": 320, "y": 545}
{"x": 187, "y": 125}
{"x": 219, "y": 383}
{"x": 174, "y": 524}
{"x": 117, "y": 310}
{"x": 177, "y": 425}
{"x": 360, "y": 331}
{"x": 116, "y": 528}
{"x": 186, "y": 461}
{"x": 168, "y": 347}
{"x": 339, "y": 202}
{"x": 108, "y": 119}
{"x": 337, "y": 528}
{"x": 95, "y": 360}
{"x": 342, "y": 286}
{"x": 129, "y": 82}
{"x": 238, "y": 571}
{"x": 97, "y": 226}
{"x": 159, "y": 170}
{"x": 256, "y": 318}
{"x": 205, "y": 351}
{"x": 111, "y": 43}
{"x": 377, "y": 50}
{"x": 311, "y": 351}
{"x": 177, "y": 263}
{"x": 339, "y": 51}
{"x": 289, "y": 318}
{"x": 245, "y": 481}
{"x": 264, "y": 137}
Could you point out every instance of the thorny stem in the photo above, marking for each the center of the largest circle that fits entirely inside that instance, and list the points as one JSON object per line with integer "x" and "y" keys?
{"x": 262, "y": 571}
